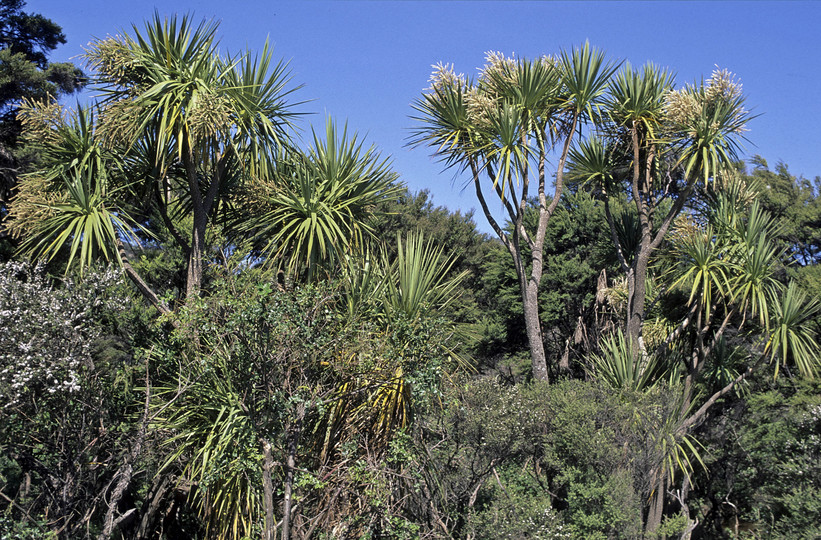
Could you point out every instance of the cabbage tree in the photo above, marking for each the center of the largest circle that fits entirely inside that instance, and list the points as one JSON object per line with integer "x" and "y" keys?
{"x": 182, "y": 126}
{"x": 658, "y": 146}
{"x": 502, "y": 129}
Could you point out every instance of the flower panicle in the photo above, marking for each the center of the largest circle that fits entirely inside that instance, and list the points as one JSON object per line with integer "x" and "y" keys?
{"x": 443, "y": 76}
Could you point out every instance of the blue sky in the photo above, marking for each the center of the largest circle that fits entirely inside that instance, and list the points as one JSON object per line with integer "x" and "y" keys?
{"x": 366, "y": 62}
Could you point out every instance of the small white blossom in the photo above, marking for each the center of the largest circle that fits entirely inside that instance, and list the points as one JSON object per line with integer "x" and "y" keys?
{"x": 47, "y": 331}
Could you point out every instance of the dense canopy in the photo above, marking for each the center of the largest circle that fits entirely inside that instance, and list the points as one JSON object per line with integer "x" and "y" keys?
{"x": 215, "y": 327}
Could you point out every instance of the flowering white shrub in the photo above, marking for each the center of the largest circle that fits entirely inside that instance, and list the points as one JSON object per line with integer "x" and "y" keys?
{"x": 47, "y": 331}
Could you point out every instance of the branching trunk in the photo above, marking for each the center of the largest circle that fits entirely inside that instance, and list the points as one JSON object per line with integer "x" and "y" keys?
{"x": 696, "y": 418}
{"x": 162, "y": 206}
{"x": 646, "y": 205}
{"x": 529, "y": 277}
{"x": 528, "y": 287}
{"x": 193, "y": 281}
{"x": 202, "y": 206}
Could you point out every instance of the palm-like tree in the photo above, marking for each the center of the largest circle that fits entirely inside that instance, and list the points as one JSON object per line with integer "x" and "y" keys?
{"x": 71, "y": 198}
{"x": 636, "y": 107}
{"x": 399, "y": 293}
{"x": 317, "y": 206}
{"x": 659, "y": 144}
{"x": 729, "y": 272}
{"x": 183, "y": 128}
{"x": 501, "y": 130}
{"x": 726, "y": 268}
{"x": 80, "y": 200}
{"x": 212, "y": 115}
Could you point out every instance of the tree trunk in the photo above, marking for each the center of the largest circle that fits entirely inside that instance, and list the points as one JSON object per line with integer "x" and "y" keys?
{"x": 533, "y": 327}
{"x": 637, "y": 298}
{"x": 644, "y": 208}
{"x": 149, "y": 513}
{"x": 138, "y": 281}
{"x": 193, "y": 281}
{"x": 685, "y": 509}
{"x": 529, "y": 287}
{"x": 110, "y": 523}
{"x": 290, "y": 467}
{"x": 201, "y": 207}
{"x": 656, "y": 510}
{"x": 268, "y": 492}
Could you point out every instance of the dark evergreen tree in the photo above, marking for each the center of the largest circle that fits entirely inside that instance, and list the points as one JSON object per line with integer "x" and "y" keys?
{"x": 794, "y": 201}
{"x": 26, "y": 40}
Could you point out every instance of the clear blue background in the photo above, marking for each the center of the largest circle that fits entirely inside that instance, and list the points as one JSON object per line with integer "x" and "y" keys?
{"x": 366, "y": 62}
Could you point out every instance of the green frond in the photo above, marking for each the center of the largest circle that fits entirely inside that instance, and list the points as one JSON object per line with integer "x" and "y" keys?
{"x": 637, "y": 96}
{"x": 724, "y": 362}
{"x": 174, "y": 83}
{"x": 708, "y": 121}
{"x": 85, "y": 221}
{"x": 215, "y": 444}
{"x": 621, "y": 367}
{"x": 676, "y": 451}
{"x": 705, "y": 271}
{"x": 319, "y": 209}
{"x": 585, "y": 75}
{"x": 445, "y": 126}
{"x": 362, "y": 283}
{"x": 258, "y": 88}
{"x": 593, "y": 161}
{"x": 792, "y": 339}
{"x": 418, "y": 279}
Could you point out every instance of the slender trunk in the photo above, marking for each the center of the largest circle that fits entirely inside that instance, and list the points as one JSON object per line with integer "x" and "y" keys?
{"x": 110, "y": 523}
{"x": 682, "y": 497}
{"x": 138, "y": 281}
{"x": 268, "y": 492}
{"x": 290, "y": 467}
{"x": 637, "y": 298}
{"x": 151, "y": 507}
{"x": 538, "y": 359}
{"x": 530, "y": 297}
{"x": 290, "y": 463}
{"x": 196, "y": 256}
{"x": 201, "y": 207}
{"x": 646, "y": 206}
{"x": 656, "y": 510}
{"x": 694, "y": 364}
{"x": 162, "y": 206}
{"x": 697, "y": 416}
{"x": 529, "y": 288}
